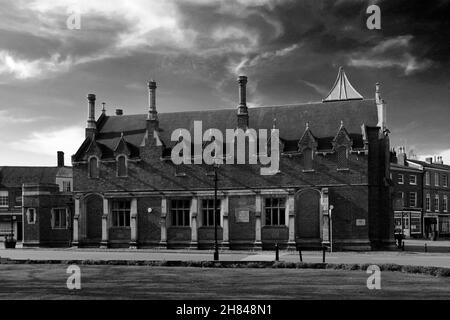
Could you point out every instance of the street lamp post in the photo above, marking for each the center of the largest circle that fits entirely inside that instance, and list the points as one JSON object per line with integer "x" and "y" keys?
{"x": 216, "y": 245}
{"x": 331, "y": 227}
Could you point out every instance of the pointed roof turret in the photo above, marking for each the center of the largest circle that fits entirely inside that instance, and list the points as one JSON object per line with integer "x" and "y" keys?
{"x": 342, "y": 89}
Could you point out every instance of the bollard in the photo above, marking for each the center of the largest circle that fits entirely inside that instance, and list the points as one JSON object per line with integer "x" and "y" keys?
{"x": 300, "y": 254}
{"x": 277, "y": 252}
{"x": 323, "y": 254}
{"x": 403, "y": 245}
{"x": 426, "y": 249}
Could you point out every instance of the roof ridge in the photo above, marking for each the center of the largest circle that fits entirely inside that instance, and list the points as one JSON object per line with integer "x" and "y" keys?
{"x": 250, "y": 108}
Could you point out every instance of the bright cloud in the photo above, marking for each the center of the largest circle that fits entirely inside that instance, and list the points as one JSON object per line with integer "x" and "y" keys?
{"x": 390, "y": 53}
{"x": 49, "y": 142}
{"x": 24, "y": 69}
{"x": 7, "y": 118}
{"x": 445, "y": 154}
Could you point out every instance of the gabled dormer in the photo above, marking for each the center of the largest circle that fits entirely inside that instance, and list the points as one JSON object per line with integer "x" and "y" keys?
{"x": 342, "y": 145}
{"x": 93, "y": 149}
{"x": 307, "y": 147}
{"x": 307, "y": 141}
{"x": 122, "y": 147}
{"x": 342, "y": 138}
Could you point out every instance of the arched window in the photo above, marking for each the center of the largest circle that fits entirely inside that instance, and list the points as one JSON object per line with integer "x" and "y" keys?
{"x": 121, "y": 166}
{"x": 93, "y": 167}
{"x": 308, "y": 159}
{"x": 342, "y": 161}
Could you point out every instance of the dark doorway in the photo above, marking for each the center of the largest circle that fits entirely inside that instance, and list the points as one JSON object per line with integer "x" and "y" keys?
{"x": 94, "y": 212}
{"x": 307, "y": 214}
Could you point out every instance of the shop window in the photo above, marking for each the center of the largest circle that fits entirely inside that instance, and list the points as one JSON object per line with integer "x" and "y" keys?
{"x": 275, "y": 209}
{"x": 179, "y": 211}
{"x": 121, "y": 210}
{"x": 208, "y": 216}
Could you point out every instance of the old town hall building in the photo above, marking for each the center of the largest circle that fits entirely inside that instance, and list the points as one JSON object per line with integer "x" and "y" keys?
{"x": 333, "y": 172}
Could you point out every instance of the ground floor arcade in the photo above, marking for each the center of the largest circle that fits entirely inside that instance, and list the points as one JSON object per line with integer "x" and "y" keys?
{"x": 246, "y": 219}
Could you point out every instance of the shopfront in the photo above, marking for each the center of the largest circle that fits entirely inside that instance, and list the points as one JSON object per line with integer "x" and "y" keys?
{"x": 409, "y": 223}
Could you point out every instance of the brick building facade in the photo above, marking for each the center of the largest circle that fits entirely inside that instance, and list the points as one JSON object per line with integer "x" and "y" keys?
{"x": 28, "y": 198}
{"x": 432, "y": 191}
{"x": 408, "y": 203}
{"x": 334, "y": 158}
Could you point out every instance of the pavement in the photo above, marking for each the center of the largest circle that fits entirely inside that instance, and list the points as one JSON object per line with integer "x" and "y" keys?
{"x": 375, "y": 257}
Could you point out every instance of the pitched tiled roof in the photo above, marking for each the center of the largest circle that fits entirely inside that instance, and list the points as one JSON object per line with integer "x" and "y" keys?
{"x": 16, "y": 176}
{"x": 324, "y": 120}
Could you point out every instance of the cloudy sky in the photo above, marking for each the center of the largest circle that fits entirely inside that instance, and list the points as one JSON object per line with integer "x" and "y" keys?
{"x": 194, "y": 49}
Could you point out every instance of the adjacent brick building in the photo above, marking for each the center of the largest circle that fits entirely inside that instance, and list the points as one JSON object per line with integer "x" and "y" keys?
{"x": 334, "y": 159}
{"x": 408, "y": 203}
{"x": 425, "y": 189}
{"x": 30, "y": 200}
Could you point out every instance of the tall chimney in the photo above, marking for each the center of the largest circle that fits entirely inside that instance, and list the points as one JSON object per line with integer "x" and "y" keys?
{"x": 60, "y": 159}
{"x": 91, "y": 126}
{"x": 152, "y": 113}
{"x": 242, "y": 108}
{"x": 401, "y": 156}
{"x": 381, "y": 108}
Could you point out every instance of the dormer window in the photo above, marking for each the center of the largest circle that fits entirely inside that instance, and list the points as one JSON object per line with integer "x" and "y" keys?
{"x": 93, "y": 167}
{"x": 122, "y": 166}
{"x": 342, "y": 161}
{"x": 308, "y": 159}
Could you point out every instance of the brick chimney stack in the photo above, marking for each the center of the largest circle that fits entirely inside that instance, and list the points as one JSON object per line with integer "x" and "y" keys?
{"x": 152, "y": 113}
{"x": 242, "y": 108}
{"x": 91, "y": 127}
{"x": 401, "y": 156}
{"x": 60, "y": 157}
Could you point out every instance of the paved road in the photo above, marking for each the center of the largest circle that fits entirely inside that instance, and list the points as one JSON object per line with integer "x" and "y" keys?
{"x": 404, "y": 258}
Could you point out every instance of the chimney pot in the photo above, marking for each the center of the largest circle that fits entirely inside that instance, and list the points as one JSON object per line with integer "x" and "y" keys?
{"x": 60, "y": 158}
{"x": 429, "y": 160}
{"x": 119, "y": 112}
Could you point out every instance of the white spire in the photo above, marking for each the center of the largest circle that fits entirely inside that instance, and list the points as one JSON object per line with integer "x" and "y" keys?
{"x": 342, "y": 89}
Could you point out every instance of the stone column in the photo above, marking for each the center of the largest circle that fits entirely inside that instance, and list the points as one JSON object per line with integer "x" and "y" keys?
{"x": 134, "y": 224}
{"x": 290, "y": 208}
{"x": 193, "y": 215}
{"x": 258, "y": 210}
{"x": 76, "y": 223}
{"x": 105, "y": 229}
{"x": 163, "y": 222}
{"x": 225, "y": 236}
{"x": 324, "y": 207}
